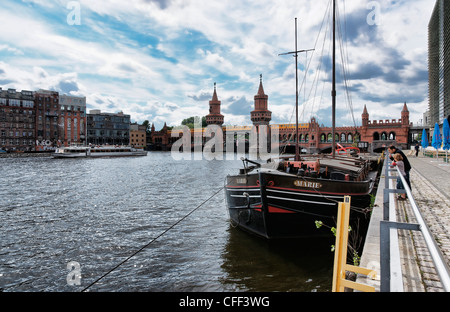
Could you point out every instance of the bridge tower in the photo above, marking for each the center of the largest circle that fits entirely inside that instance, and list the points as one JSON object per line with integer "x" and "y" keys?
{"x": 214, "y": 117}
{"x": 261, "y": 115}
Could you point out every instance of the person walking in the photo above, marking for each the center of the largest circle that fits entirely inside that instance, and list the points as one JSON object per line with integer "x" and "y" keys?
{"x": 417, "y": 149}
{"x": 394, "y": 150}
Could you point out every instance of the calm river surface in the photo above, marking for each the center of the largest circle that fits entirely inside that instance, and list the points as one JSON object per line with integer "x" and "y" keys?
{"x": 98, "y": 212}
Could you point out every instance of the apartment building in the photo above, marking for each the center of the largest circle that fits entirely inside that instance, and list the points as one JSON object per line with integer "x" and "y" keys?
{"x": 47, "y": 118}
{"x": 17, "y": 120}
{"x": 138, "y": 135}
{"x": 72, "y": 120}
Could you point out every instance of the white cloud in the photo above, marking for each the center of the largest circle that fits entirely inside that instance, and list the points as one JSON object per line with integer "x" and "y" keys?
{"x": 194, "y": 43}
{"x": 5, "y": 47}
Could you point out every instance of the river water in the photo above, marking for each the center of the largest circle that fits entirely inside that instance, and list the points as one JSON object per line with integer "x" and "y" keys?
{"x": 97, "y": 213}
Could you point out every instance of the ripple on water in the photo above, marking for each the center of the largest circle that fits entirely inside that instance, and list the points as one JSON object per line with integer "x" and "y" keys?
{"x": 98, "y": 212}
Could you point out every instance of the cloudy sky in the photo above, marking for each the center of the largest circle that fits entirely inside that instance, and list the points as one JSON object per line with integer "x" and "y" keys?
{"x": 157, "y": 60}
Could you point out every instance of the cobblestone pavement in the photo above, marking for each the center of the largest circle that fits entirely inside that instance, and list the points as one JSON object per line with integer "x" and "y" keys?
{"x": 430, "y": 180}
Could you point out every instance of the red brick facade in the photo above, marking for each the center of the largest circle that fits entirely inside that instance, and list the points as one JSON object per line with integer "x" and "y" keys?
{"x": 214, "y": 117}
{"x": 371, "y": 135}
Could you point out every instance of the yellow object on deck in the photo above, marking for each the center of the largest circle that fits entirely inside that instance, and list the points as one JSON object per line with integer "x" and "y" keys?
{"x": 340, "y": 256}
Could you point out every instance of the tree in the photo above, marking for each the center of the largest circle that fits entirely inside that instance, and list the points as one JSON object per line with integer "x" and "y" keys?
{"x": 146, "y": 123}
{"x": 190, "y": 122}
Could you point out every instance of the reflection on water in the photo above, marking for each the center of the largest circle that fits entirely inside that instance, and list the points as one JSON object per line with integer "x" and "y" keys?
{"x": 98, "y": 212}
{"x": 292, "y": 265}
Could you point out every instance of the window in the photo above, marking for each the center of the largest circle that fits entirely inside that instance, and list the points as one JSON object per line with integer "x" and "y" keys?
{"x": 29, "y": 104}
{"x": 14, "y": 102}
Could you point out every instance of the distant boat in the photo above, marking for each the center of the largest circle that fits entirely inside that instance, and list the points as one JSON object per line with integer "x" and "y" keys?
{"x": 284, "y": 198}
{"x": 97, "y": 151}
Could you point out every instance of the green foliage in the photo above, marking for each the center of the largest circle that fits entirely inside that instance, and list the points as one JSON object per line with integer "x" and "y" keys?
{"x": 355, "y": 257}
{"x": 372, "y": 200}
{"x": 192, "y": 121}
{"x": 319, "y": 224}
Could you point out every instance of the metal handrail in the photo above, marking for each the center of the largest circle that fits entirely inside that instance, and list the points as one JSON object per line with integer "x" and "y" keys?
{"x": 438, "y": 259}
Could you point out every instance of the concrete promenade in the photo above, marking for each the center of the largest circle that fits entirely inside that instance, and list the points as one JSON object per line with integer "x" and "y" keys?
{"x": 430, "y": 181}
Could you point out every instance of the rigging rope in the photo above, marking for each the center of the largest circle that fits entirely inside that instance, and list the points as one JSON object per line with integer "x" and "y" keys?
{"x": 344, "y": 62}
{"x": 304, "y": 81}
{"x": 340, "y": 30}
{"x": 153, "y": 240}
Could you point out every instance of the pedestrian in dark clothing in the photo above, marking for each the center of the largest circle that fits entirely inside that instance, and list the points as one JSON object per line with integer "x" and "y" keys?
{"x": 417, "y": 149}
{"x": 393, "y": 150}
{"x": 398, "y": 161}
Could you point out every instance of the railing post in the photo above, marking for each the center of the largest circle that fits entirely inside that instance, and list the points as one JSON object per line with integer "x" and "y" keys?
{"x": 385, "y": 253}
{"x": 388, "y": 277}
{"x": 438, "y": 259}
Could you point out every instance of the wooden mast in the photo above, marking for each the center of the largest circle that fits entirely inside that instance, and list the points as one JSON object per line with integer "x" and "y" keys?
{"x": 297, "y": 148}
{"x": 333, "y": 90}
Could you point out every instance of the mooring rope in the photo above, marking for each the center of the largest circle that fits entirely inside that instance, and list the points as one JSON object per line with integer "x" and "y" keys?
{"x": 153, "y": 240}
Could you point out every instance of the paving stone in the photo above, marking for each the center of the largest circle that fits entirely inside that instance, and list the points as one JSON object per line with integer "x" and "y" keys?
{"x": 430, "y": 180}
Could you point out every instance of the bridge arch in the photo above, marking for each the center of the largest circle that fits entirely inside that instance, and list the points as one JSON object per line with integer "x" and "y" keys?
{"x": 350, "y": 138}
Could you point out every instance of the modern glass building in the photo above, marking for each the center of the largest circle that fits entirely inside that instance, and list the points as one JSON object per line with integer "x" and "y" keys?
{"x": 107, "y": 128}
{"x": 439, "y": 63}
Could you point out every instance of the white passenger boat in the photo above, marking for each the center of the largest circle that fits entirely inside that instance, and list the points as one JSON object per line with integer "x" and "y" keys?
{"x": 97, "y": 151}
